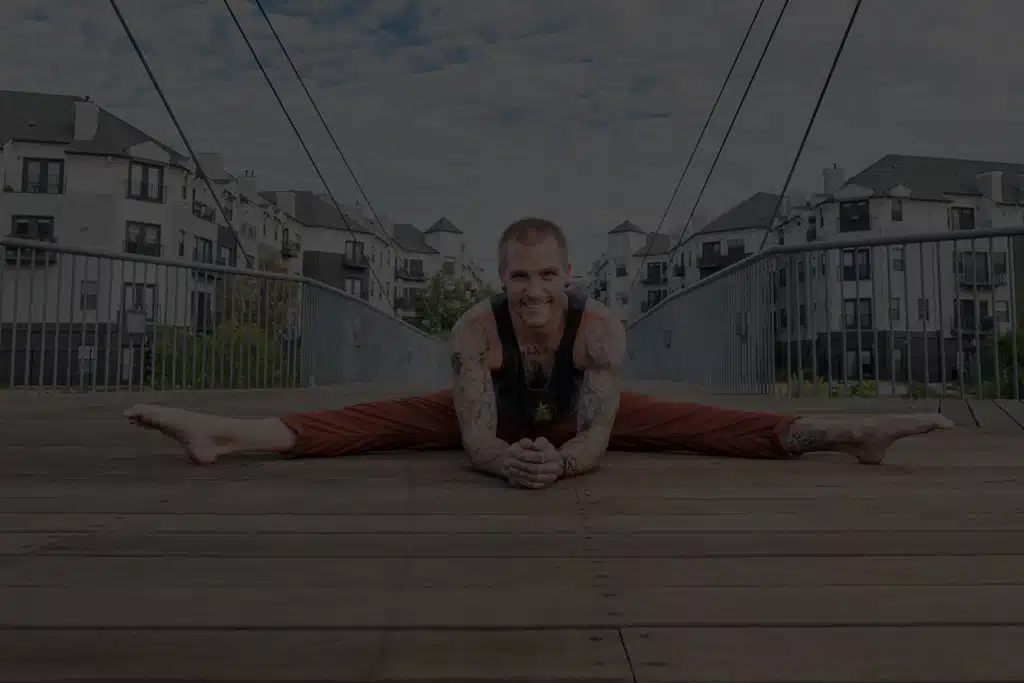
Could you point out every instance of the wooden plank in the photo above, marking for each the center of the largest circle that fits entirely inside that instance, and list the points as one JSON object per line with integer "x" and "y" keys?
{"x": 941, "y": 518}
{"x": 298, "y": 606}
{"x": 818, "y": 605}
{"x": 993, "y": 419}
{"x": 686, "y": 544}
{"x": 142, "y": 572}
{"x": 836, "y": 655}
{"x": 181, "y": 655}
{"x": 568, "y": 655}
{"x": 959, "y": 411}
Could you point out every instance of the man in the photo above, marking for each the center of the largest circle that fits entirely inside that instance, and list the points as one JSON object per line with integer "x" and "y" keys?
{"x": 536, "y": 395}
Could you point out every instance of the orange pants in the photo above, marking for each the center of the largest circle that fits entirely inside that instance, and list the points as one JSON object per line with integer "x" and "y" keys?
{"x": 643, "y": 423}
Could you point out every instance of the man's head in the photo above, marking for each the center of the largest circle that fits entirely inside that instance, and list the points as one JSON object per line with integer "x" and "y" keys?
{"x": 533, "y": 264}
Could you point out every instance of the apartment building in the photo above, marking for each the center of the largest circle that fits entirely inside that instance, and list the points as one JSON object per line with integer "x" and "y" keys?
{"x": 883, "y": 306}
{"x": 441, "y": 248}
{"x": 75, "y": 175}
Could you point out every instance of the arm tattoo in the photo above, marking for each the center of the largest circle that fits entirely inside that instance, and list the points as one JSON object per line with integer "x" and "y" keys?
{"x": 599, "y": 399}
{"x": 811, "y": 436}
{"x": 473, "y": 394}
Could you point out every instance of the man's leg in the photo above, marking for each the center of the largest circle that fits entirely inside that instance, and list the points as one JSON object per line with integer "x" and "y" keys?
{"x": 645, "y": 423}
{"x": 425, "y": 422}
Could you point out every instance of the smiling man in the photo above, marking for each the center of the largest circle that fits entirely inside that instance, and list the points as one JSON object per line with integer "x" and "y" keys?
{"x": 536, "y": 396}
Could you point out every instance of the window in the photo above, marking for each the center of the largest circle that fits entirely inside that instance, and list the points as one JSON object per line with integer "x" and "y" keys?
{"x": 961, "y": 218}
{"x": 711, "y": 249}
{"x": 448, "y": 268}
{"x": 896, "y": 210}
{"x": 224, "y": 256}
{"x": 32, "y": 228}
{"x": 897, "y": 258}
{"x": 146, "y": 182}
{"x": 854, "y": 216}
{"x": 1003, "y": 311}
{"x": 89, "y": 297}
{"x": 856, "y": 264}
{"x": 857, "y": 314}
{"x": 620, "y": 271}
{"x": 736, "y": 246}
{"x": 142, "y": 238}
{"x": 894, "y": 309}
{"x": 923, "y": 309}
{"x": 202, "y": 252}
{"x": 354, "y": 286}
{"x": 43, "y": 176}
{"x": 140, "y": 297}
{"x": 866, "y": 366}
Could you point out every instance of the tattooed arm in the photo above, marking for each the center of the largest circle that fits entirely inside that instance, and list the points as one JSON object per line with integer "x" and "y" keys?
{"x": 605, "y": 347}
{"x": 474, "y": 398}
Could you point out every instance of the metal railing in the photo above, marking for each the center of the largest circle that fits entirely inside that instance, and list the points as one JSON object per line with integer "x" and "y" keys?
{"x": 76, "y": 320}
{"x": 924, "y": 315}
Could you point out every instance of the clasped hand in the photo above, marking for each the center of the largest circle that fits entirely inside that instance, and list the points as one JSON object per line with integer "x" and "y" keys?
{"x": 534, "y": 464}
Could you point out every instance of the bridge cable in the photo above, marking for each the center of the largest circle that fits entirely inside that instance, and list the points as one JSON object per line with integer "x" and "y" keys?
{"x": 725, "y": 138}
{"x": 316, "y": 108}
{"x": 696, "y": 145}
{"x": 810, "y": 124}
{"x": 200, "y": 172}
{"x": 295, "y": 129}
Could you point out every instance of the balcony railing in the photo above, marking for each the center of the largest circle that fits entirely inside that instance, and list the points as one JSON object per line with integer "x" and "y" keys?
{"x": 355, "y": 260}
{"x": 145, "y": 192}
{"x": 410, "y": 274}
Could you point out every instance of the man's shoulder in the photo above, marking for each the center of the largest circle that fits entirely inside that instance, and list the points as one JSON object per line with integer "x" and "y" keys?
{"x": 602, "y": 335}
{"x": 476, "y": 323}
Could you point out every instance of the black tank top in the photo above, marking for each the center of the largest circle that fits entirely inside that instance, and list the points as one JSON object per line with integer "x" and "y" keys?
{"x": 519, "y": 406}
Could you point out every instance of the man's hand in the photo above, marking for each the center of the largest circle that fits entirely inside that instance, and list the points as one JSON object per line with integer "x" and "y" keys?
{"x": 534, "y": 464}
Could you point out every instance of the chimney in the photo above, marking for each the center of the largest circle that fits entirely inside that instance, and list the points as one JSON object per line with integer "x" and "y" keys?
{"x": 834, "y": 179}
{"x": 87, "y": 116}
{"x": 248, "y": 186}
{"x": 991, "y": 185}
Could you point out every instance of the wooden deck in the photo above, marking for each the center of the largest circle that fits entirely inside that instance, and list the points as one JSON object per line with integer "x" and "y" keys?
{"x": 120, "y": 561}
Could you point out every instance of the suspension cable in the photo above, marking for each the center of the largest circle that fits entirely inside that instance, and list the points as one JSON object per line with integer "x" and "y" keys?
{"x": 810, "y": 124}
{"x": 725, "y": 139}
{"x": 295, "y": 129}
{"x": 696, "y": 145}
{"x": 316, "y": 108}
{"x": 174, "y": 119}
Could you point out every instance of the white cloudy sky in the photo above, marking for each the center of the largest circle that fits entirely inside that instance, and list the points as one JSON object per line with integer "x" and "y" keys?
{"x": 583, "y": 111}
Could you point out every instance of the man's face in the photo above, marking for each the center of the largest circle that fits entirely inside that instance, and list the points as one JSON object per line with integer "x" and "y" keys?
{"x": 535, "y": 277}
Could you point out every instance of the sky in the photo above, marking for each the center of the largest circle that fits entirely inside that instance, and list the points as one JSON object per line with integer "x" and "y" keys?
{"x": 581, "y": 111}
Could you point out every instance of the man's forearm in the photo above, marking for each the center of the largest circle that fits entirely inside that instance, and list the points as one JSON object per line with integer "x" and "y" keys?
{"x": 487, "y": 453}
{"x": 582, "y": 453}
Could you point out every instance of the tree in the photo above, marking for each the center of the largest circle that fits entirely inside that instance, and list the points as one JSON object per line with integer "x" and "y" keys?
{"x": 443, "y": 301}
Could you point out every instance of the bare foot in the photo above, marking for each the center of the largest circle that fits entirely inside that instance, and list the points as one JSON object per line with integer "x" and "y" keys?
{"x": 204, "y": 437}
{"x": 867, "y": 439}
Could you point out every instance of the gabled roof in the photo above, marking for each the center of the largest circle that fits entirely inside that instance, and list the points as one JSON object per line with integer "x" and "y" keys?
{"x": 934, "y": 178}
{"x": 312, "y": 211}
{"x": 46, "y": 118}
{"x": 658, "y": 244}
{"x": 753, "y": 212}
{"x": 624, "y": 226}
{"x": 411, "y": 240}
{"x": 443, "y": 225}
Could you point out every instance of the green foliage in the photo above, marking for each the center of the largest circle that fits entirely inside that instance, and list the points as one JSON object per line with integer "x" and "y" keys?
{"x": 232, "y": 356}
{"x": 443, "y": 301}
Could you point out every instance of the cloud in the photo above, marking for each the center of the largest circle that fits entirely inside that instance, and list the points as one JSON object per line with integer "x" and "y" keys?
{"x": 581, "y": 110}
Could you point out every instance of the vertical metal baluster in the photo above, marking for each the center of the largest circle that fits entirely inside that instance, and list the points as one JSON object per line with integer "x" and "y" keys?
{"x": 826, "y": 278}
{"x": 876, "y": 371}
{"x": 15, "y": 318}
{"x": 33, "y": 255}
{"x": 72, "y": 287}
{"x": 958, "y": 316}
{"x": 44, "y": 325}
{"x": 975, "y": 305}
{"x": 924, "y": 325}
{"x": 1014, "y": 331}
{"x": 908, "y": 346}
{"x": 941, "y": 326}
{"x": 997, "y": 375}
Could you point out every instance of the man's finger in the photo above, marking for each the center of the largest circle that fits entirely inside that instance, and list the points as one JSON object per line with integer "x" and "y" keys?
{"x": 543, "y": 471}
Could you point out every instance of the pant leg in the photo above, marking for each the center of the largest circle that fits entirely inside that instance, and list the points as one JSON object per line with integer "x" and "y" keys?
{"x": 645, "y": 423}
{"x": 426, "y": 422}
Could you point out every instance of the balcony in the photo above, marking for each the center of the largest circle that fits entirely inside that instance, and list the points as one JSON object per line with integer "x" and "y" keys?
{"x": 142, "y": 248}
{"x": 28, "y": 256}
{"x": 716, "y": 262}
{"x": 981, "y": 278}
{"x": 654, "y": 279}
{"x": 290, "y": 249}
{"x": 145, "y": 192}
{"x": 410, "y": 274}
{"x": 355, "y": 261}
{"x": 204, "y": 212}
{"x": 679, "y": 270}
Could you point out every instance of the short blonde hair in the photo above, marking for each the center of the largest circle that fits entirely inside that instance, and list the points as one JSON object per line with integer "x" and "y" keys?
{"x": 532, "y": 231}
